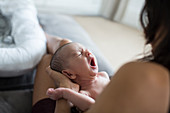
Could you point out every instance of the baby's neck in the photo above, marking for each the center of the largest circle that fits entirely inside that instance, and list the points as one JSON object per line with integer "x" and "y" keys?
{"x": 86, "y": 84}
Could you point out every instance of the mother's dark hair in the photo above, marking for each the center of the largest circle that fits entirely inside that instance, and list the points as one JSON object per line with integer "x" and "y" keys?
{"x": 155, "y": 20}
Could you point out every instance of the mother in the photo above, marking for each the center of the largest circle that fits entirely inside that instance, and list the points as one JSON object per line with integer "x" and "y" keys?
{"x": 138, "y": 87}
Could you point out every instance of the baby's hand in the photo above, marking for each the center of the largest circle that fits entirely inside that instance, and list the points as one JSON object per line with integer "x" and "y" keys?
{"x": 55, "y": 94}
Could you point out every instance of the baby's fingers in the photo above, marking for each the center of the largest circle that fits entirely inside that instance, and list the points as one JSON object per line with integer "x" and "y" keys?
{"x": 54, "y": 94}
{"x": 50, "y": 91}
{"x": 50, "y": 94}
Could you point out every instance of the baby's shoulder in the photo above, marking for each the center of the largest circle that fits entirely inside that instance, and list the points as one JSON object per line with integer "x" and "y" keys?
{"x": 149, "y": 70}
{"x": 103, "y": 75}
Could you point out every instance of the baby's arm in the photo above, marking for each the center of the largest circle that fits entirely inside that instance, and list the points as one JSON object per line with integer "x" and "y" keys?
{"x": 82, "y": 101}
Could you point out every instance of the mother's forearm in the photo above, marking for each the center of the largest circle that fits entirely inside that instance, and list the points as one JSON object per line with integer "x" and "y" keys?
{"x": 62, "y": 106}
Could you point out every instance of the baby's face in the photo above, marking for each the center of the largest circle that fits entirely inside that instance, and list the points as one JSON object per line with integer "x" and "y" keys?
{"x": 80, "y": 60}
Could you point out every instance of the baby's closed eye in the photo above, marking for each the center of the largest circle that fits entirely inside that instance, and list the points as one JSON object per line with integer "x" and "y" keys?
{"x": 79, "y": 53}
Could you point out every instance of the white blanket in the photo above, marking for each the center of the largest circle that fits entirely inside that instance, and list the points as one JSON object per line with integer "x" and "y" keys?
{"x": 29, "y": 40}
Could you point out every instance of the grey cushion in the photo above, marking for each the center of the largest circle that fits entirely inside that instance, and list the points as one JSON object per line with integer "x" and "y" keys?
{"x": 19, "y": 101}
{"x": 24, "y": 81}
{"x": 16, "y": 93}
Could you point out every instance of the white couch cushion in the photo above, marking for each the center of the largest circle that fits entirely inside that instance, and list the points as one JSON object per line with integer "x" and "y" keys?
{"x": 29, "y": 39}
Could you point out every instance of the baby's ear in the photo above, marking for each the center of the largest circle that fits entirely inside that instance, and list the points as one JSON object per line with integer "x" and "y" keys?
{"x": 70, "y": 74}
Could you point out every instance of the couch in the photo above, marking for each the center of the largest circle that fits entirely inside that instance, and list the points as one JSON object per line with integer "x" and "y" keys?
{"x": 16, "y": 90}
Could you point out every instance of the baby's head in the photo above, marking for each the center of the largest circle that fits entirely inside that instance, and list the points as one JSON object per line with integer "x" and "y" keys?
{"x": 74, "y": 61}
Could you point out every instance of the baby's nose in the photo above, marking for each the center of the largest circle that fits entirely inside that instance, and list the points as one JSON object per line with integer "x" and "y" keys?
{"x": 87, "y": 53}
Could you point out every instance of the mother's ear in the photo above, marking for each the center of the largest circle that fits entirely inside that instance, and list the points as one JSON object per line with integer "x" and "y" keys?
{"x": 69, "y": 73}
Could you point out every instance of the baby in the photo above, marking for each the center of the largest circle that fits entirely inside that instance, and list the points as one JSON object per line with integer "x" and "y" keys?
{"x": 80, "y": 65}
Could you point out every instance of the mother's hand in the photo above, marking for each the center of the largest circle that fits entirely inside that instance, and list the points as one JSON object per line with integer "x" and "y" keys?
{"x": 61, "y": 80}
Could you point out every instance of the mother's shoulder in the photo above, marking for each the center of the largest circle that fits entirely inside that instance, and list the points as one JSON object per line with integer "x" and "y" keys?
{"x": 146, "y": 67}
{"x": 144, "y": 73}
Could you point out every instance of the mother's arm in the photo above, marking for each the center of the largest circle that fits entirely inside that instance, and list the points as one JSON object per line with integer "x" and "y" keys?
{"x": 62, "y": 105}
{"x": 43, "y": 81}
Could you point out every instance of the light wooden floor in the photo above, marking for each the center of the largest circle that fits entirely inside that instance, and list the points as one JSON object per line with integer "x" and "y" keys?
{"x": 119, "y": 43}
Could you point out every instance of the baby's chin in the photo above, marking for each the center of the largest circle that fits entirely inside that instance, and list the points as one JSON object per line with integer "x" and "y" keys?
{"x": 94, "y": 72}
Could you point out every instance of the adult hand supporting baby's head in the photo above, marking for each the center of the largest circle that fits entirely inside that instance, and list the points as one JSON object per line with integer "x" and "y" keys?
{"x": 61, "y": 80}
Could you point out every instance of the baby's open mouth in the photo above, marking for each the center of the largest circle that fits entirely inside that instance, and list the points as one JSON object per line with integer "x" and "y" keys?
{"x": 92, "y": 63}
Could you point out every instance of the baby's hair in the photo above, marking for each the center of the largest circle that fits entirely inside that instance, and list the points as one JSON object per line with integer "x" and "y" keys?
{"x": 57, "y": 60}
